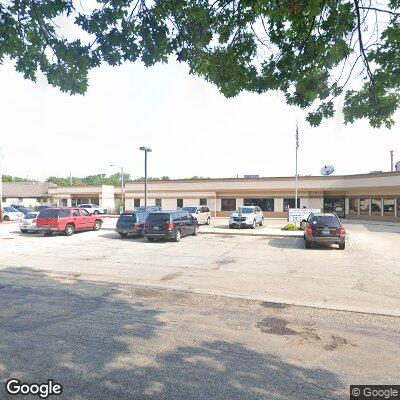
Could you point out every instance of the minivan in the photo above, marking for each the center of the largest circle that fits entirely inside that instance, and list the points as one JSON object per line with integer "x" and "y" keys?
{"x": 170, "y": 225}
{"x": 131, "y": 223}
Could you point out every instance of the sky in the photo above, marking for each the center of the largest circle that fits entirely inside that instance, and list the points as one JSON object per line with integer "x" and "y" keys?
{"x": 191, "y": 128}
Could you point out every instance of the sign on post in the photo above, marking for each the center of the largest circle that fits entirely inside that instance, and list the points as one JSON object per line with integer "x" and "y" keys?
{"x": 296, "y": 215}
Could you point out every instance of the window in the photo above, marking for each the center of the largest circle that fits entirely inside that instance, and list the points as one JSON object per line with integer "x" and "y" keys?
{"x": 388, "y": 207}
{"x": 158, "y": 203}
{"x": 206, "y": 209}
{"x": 290, "y": 203}
{"x": 203, "y": 202}
{"x": 75, "y": 213}
{"x": 179, "y": 203}
{"x": 376, "y": 206}
{"x": 84, "y": 213}
{"x": 364, "y": 206}
{"x": 136, "y": 203}
{"x": 353, "y": 206}
{"x": 264, "y": 204}
{"x": 228, "y": 204}
{"x": 64, "y": 213}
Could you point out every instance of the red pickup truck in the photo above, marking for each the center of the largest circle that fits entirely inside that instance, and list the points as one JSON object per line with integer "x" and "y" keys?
{"x": 66, "y": 220}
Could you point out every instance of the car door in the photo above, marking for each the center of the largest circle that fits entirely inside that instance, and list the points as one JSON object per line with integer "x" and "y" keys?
{"x": 86, "y": 219}
{"x": 77, "y": 219}
{"x": 186, "y": 221}
{"x": 259, "y": 215}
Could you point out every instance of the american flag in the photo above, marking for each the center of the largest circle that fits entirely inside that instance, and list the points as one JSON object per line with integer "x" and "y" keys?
{"x": 297, "y": 136}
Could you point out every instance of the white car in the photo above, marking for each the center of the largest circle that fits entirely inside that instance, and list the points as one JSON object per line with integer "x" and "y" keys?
{"x": 251, "y": 216}
{"x": 11, "y": 214}
{"x": 93, "y": 209}
{"x": 28, "y": 224}
{"x": 201, "y": 213}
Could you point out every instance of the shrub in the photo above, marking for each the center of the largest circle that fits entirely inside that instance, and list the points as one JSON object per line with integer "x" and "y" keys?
{"x": 291, "y": 227}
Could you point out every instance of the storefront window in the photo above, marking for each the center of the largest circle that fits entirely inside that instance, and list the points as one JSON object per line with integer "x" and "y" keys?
{"x": 398, "y": 207}
{"x": 353, "y": 206}
{"x": 228, "y": 204}
{"x": 203, "y": 202}
{"x": 159, "y": 203}
{"x": 388, "y": 207}
{"x": 264, "y": 204}
{"x": 179, "y": 203}
{"x": 376, "y": 206}
{"x": 364, "y": 206}
{"x": 290, "y": 203}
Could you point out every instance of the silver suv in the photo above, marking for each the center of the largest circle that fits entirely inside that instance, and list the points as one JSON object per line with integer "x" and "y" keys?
{"x": 201, "y": 213}
{"x": 251, "y": 216}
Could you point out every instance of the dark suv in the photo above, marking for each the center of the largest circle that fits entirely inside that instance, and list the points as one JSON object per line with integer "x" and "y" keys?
{"x": 170, "y": 225}
{"x": 131, "y": 223}
{"x": 324, "y": 229}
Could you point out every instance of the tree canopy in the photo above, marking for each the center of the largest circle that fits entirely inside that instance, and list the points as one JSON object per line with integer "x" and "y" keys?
{"x": 311, "y": 50}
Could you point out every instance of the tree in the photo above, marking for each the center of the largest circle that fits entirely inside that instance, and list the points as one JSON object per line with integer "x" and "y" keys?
{"x": 98, "y": 179}
{"x": 309, "y": 50}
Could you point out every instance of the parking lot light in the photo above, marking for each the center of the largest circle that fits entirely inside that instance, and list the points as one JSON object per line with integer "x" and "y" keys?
{"x": 146, "y": 150}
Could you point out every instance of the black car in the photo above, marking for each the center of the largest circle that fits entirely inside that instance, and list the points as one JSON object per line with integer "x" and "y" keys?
{"x": 324, "y": 229}
{"x": 21, "y": 208}
{"x": 170, "y": 225}
{"x": 131, "y": 223}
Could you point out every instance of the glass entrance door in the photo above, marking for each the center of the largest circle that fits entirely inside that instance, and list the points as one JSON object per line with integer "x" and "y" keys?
{"x": 334, "y": 205}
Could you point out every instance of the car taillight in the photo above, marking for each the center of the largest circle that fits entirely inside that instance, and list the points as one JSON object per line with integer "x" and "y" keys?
{"x": 342, "y": 232}
{"x": 136, "y": 226}
{"x": 170, "y": 226}
{"x": 309, "y": 230}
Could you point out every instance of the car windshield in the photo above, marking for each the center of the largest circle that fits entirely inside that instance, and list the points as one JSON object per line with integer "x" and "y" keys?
{"x": 127, "y": 217}
{"x": 10, "y": 209}
{"x": 158, "y": 217}
{"x": 326, "y": 220}
{"x": 49, "y": 213}
{"x": 31, "y": 216}
{"x": 247, "y": 210}
{"x": 189, "y": 209}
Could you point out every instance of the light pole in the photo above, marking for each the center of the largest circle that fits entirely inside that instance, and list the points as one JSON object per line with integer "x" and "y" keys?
{"x": 146, "y": 150}
{"x": 122, "y": 207}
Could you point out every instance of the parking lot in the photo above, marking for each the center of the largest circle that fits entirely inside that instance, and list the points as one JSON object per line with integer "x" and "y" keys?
{"x": 216, "y": 316}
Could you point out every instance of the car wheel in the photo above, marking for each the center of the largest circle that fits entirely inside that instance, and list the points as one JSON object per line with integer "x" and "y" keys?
{"x": 97, "y": 226}
{"x": 122, "y": 234}
{"x": 231, "y": 226}
{"x": 308, "y": 244}
{"x": 69, "y": 230}
{"x": 96, "y": 212}
{"x": 196, "y": 231}
{"x": 177, "y": 237}
{"x": 6, "y": 218}
{"x": 262, "y": 222}
{"x": 24, "y": 230}
{"x": 208, "y": 221}
{"x": 253, "y": 225}
{"x": 150, "y": 239}
{"x": 342, "y": 246}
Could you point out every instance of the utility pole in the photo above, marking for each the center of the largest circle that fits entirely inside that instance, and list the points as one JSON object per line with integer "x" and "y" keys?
{"x": 146, "y": 150}
{"x": 122, "y": 207}
{"x": 391, "y": 161}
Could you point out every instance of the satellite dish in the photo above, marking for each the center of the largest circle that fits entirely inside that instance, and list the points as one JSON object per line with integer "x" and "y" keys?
{"x": 327, "y": 170}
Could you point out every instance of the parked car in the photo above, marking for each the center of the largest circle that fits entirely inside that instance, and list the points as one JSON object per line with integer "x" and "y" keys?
{"x": 251, "y": 217}
{"x": 67, "y": 220}
{"x": 93, "y": 209}
{"x": 170, "y": 225}
{"x": 28, "y": 224}
{"x": 11, "y": 214}
{"x": 324, "y": 228}
{"x": 21, "y": 208}
{"x": 131, "y": 223}
{"x": 201, "y": 213}
{"x": 149, "y": 209}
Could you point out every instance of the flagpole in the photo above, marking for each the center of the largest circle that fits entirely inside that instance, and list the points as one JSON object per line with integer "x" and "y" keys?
{"x": 297, "y": 147}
